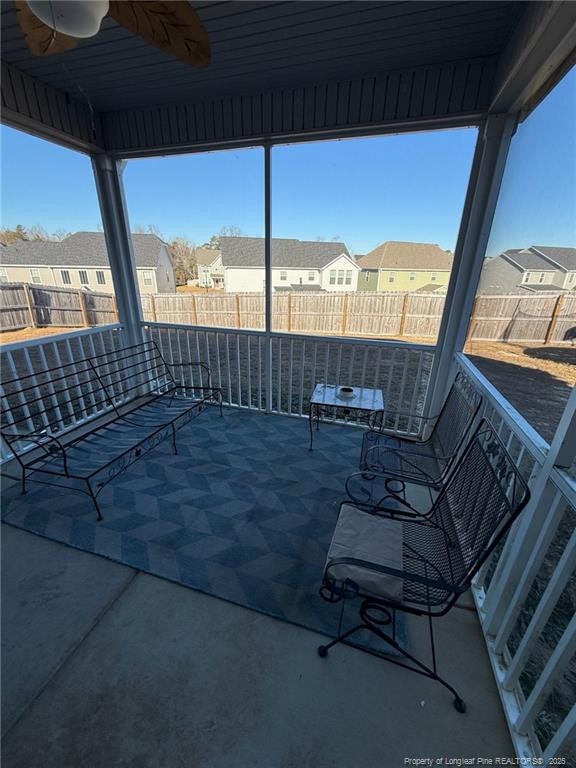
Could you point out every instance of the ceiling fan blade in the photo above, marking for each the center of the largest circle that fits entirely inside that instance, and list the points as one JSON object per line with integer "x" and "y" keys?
{"x": 173, "y": 26}
{"x": 40, "y": 38}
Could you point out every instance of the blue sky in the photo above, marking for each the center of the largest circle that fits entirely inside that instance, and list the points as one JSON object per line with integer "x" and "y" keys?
{"x": 363, "y": 191}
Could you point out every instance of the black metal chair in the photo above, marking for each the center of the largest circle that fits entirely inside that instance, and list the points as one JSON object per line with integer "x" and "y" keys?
{"x": 393, "y": 562}
{"x": 426, "y": 456}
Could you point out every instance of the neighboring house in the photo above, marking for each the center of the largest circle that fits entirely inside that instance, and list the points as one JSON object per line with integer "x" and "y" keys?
{"x": 534, "y": 269}
{"x": 296, "y": 265}
{"x": 81, "y": 261}
{"x": 209, "y": 265}
{"x": 403, "y": 266}
{"x": 564, "y": 259}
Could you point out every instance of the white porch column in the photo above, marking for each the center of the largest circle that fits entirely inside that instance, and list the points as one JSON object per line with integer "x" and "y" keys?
{"x": 108, "y": 176}
{"x": 485, "y": 179}
{"x": 268, "y": 270}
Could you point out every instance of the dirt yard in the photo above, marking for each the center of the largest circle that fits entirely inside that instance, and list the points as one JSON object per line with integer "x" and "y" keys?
{"x": 536, "y": 379}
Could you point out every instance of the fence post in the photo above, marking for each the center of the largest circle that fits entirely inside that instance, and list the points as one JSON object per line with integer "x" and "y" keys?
{"x": 29, "y": 304}
{"x": 289, "y": 311}
{"x": 554, "y": 319}
{"x": 194, "y": 310}
{"x": 345, "y": 315}
{"x": 404, "y": 313}
{"x": 153, "y": 308}
{"x": 83, "y": 308}
{"x": 238, "y": 325}
{"x": 473, "y": 323}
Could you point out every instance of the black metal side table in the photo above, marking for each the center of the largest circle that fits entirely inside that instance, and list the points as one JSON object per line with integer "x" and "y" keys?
{"x": 330, "y": 397}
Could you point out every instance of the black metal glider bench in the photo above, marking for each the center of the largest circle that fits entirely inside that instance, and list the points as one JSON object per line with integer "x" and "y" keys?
{"x": 134, "y": 391}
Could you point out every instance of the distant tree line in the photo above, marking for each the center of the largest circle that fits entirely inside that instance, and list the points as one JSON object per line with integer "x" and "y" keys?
{"x": 36, "y": 232}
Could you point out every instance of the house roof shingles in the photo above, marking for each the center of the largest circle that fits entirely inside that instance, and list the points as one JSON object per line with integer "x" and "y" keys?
{"x": 82, "y": 249}
{"x": 395, "y": 254}
{"x": 288, "y": 253}
{"x": 564, "y": 257}
{"x": 206, "y": 256}
{"x": 526, "y": 259}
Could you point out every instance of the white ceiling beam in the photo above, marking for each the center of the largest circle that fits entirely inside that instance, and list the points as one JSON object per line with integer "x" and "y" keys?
{"x": 540, "y": 51}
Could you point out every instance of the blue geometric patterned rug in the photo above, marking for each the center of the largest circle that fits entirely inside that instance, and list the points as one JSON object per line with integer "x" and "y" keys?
{"x": 245, "y": 512}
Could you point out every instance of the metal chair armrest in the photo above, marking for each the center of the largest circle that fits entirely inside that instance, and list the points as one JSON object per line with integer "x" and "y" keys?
{"x": 200, "y": 364}
{"x": 409, "y": 511}
{"x": 410, "y": 470}
{"x": 40, "y": 438}
{"x": 385, "y": 413}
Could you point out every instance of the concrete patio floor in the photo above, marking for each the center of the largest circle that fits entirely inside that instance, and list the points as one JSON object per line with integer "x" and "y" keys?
{"x": 106, "y": 666}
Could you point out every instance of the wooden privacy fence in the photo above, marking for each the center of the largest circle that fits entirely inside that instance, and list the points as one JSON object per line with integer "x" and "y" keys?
{"x": 522, "y": 318}
{"x": 24, "y": 305}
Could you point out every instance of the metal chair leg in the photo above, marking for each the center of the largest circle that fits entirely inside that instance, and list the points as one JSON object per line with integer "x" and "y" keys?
{"x": 95, "y": 500}
{"x": 417, "y": 666}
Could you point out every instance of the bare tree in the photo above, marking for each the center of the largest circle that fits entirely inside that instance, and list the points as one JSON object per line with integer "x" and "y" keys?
{"x": 184, "y": 254}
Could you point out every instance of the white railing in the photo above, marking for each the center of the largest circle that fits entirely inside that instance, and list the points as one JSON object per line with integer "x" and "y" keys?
{"x": 524, "y": 596}
{"x": 29, "y": 358}
{"x": 239, "y": 363}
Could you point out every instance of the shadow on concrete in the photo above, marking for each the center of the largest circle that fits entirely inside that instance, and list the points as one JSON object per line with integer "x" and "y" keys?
{"x": 539, "y": 396}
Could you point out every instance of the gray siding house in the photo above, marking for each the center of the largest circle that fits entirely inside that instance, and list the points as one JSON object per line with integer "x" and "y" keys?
{"x": 534, "y": 269}
{"x": 81, "y": 261}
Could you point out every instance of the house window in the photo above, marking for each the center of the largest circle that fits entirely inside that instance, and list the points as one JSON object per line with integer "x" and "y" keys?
{"x": 65, "y": 275}
{"x": 83, "y": 276}
{"x": 283, "y": 275}
{"x": 348, "y": 277}
{"x": 391, "y": 277}
{"x": 3, "y": 275}
{"x": 148, "y": 277}
{"x": 367, "y": 277}
{"x": 412, "y": 276}
{"x": 570, "y": 277}
{"x": 332, "y": 279}
{"x": 35, "y": 276}
{"x": 311, "y": 276}
{"x": 100, "y": 277}
{"x": 526, "y": 277}
{"x": 542, "y": 276}
{"x": 433, "y": 277}
{"x": 340, "y": 280}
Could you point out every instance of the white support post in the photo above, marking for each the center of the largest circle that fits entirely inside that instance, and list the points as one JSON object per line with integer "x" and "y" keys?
{"x": 108, "y": 176}
{"x": 485, "y": 179}
{"x": 268, "y": 271}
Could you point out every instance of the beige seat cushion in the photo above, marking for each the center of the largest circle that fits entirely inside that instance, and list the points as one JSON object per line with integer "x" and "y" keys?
{"x": 374, "y": 539}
